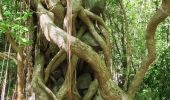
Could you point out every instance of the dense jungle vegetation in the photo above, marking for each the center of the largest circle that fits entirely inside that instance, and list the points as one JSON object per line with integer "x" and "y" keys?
{"x": 84, "y": 50}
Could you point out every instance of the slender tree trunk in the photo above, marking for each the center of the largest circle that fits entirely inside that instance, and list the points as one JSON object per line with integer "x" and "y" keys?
{"x": 20, "y": 77}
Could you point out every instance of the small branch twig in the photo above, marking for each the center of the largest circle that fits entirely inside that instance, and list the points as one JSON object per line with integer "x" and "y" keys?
{"x": 96, "y": 17}
{"x": 11, "y": 56}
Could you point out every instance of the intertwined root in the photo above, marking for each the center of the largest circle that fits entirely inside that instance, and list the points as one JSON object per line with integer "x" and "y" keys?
{"x": 88, "y": 27}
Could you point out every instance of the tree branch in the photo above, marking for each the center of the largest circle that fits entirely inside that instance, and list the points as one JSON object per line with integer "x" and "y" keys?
{"x": 150, "y": 42}
{"x": 56, "y": 60}
{"x": 91, "y": 90}
{"x": 6, "y": 56}
{"x": 96, "y": 17}
{"x": 44, "y": 93}
{"x": 83, "y": 16}
{"x": 1, "y": 18}
{"x": 14, "y": 44}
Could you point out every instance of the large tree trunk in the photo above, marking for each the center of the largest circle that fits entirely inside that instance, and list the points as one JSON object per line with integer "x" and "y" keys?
{"x": 91, "y": 54}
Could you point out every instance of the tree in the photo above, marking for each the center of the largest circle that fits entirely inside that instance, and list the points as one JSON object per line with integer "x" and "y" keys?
{"x": 90, "y": 47}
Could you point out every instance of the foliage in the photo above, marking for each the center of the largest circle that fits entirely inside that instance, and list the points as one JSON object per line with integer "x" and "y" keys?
{"x": 14, "y": 22}
{"x": 156, "y": 85}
